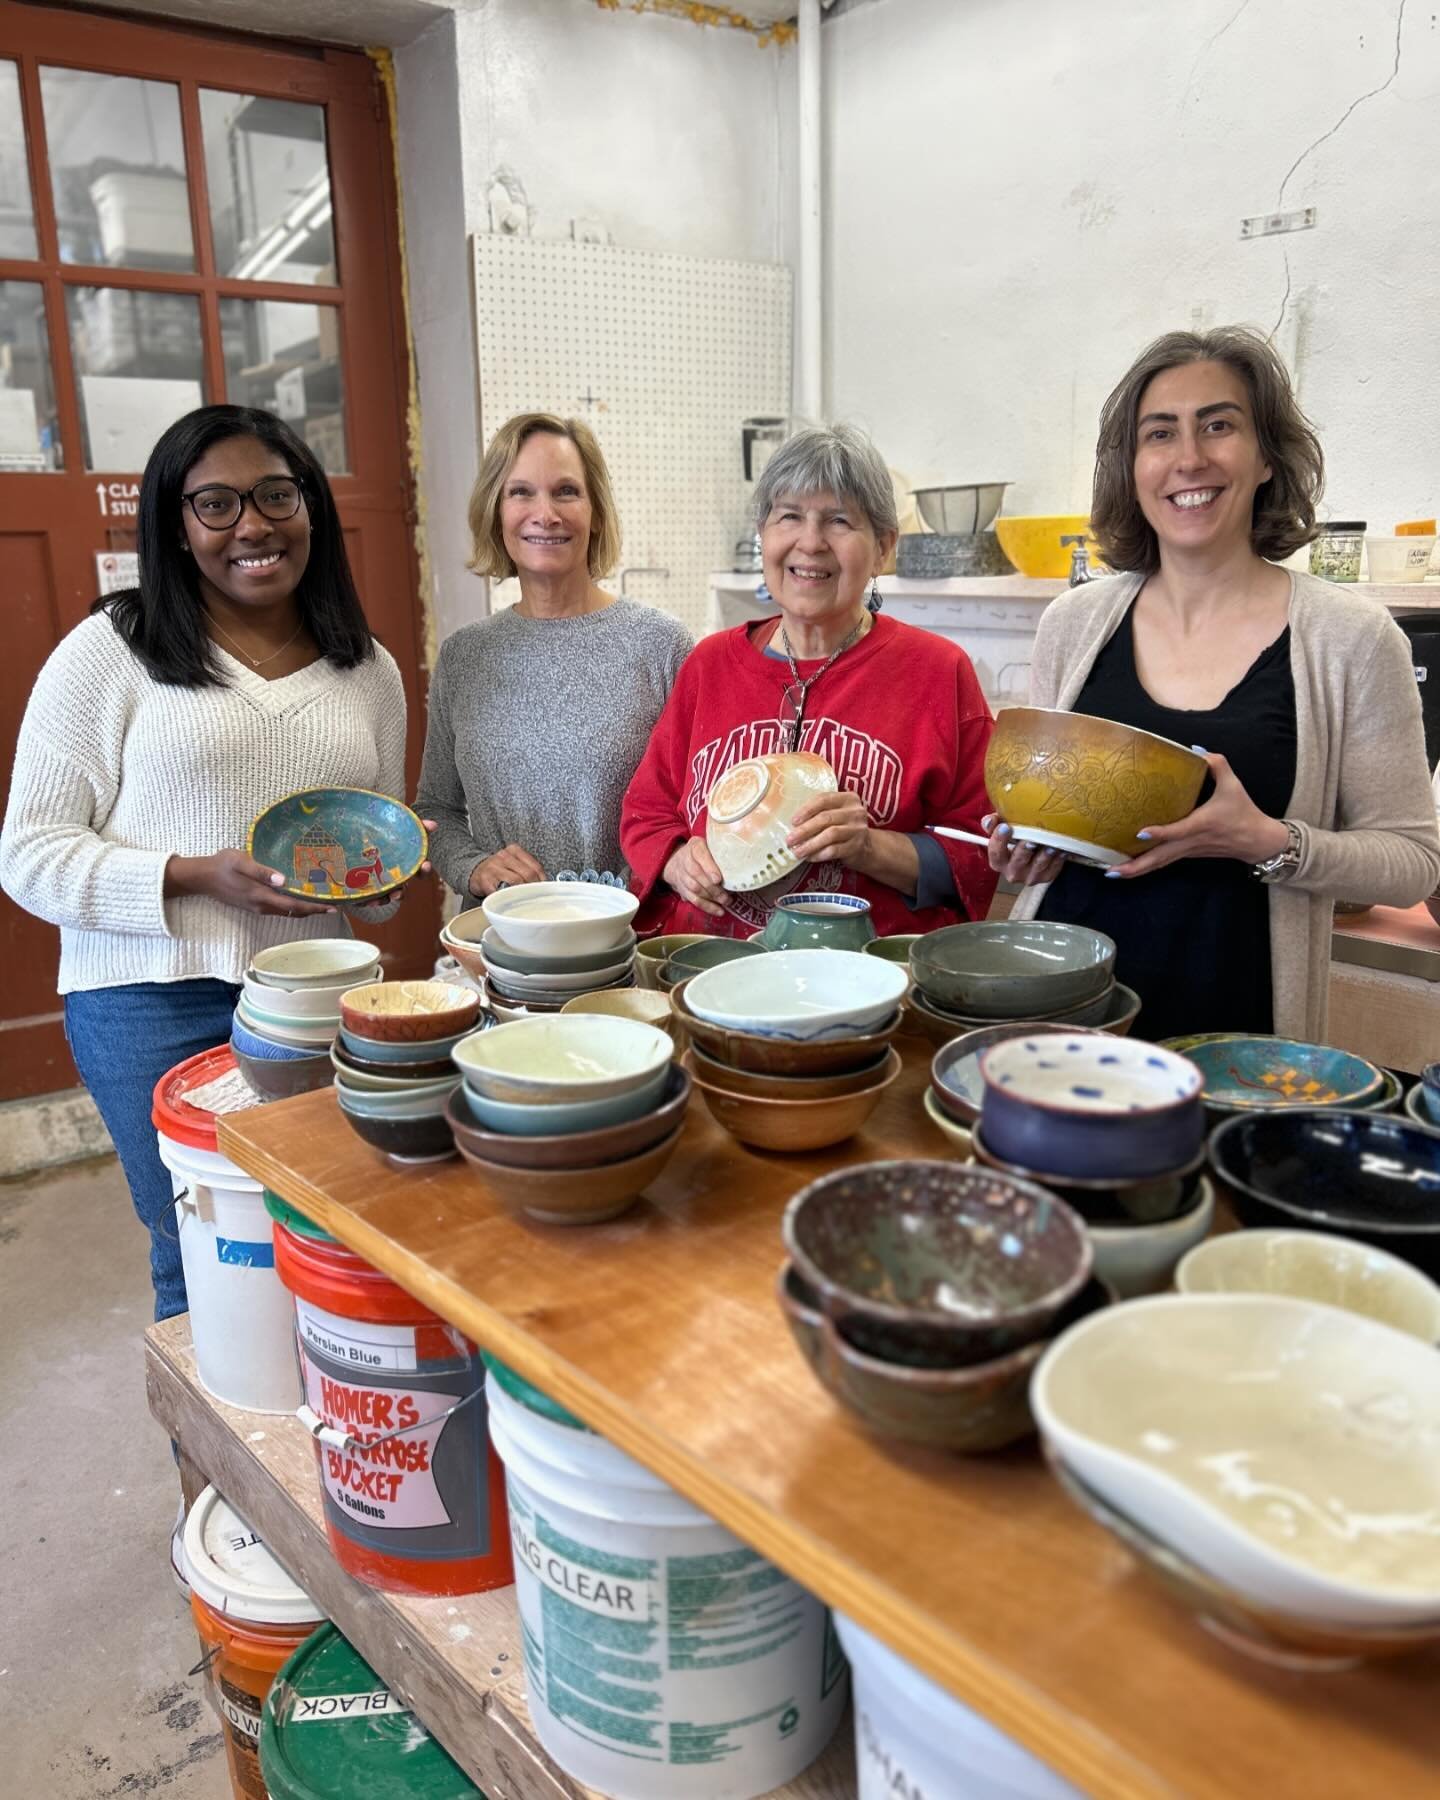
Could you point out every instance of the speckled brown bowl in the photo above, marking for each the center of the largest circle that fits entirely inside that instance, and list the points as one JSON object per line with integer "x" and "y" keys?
{"x": 814, "y": 1124}
{"x": 717, "y": 1074}
{"x": 936, "y": 1263}
{"x": 780, "y": 1056}
{"x": 586, "y": 1196}
{"x": 408, "y": 1012}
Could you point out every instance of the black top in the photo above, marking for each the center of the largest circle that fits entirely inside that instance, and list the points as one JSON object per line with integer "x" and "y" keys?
{"x": 1193, "y": 938}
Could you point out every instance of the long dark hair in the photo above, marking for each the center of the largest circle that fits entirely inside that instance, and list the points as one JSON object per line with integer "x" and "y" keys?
{"x": 163, "y": 619}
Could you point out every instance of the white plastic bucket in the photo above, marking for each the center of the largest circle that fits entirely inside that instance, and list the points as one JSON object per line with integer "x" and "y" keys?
{"x": 913, "y": 1738}
{"x": 665, "y": 1659}
{"x": 242, "y": 1319}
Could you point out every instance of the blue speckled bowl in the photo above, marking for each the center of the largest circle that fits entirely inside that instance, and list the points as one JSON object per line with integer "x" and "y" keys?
{"x": 265, "y": 1050}
{"x": 339, "y": 845}
{"x": 1251, "y": 1073}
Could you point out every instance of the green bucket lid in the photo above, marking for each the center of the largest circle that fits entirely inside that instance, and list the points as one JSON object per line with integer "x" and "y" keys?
{"x": 518, "y": 1388}
{"x": 315, "y": 1746}
{"x": 285, "y": 1214}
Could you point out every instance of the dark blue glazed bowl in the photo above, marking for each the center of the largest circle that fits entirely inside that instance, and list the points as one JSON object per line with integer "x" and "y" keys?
{"x": 1366, "y": 1175}
{"x": 339, "y": 845}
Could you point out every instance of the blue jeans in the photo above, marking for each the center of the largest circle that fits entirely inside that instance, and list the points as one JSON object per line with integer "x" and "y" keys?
{"x": 123, "y": 1040}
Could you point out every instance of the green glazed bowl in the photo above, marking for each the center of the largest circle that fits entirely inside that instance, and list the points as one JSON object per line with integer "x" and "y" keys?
{"x": 819, "y": 922}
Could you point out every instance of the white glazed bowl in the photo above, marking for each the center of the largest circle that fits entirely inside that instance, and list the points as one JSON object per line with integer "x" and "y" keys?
{"x": 750, "y": 810}
{"x": 549, "y": 987}
{"x": 802, "y": 995}
{"x": 303, "y": 1006}
{"x": 336, "y": 963}
{"x": 559, "y": 1058}
{"x": 1141, "y": 1258}
{"x": 296, "y": 1034}
{"x": 560, "y": 918}
{"x": 1319, "y": 1430}
{"x": 1313, "y": 1265}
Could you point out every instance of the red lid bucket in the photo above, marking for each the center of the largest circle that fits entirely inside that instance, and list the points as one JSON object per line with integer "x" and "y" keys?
{"x": 171, "y": 1112}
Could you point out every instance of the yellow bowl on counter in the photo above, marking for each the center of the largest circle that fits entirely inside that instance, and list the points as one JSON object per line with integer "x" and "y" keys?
{"x": 1033, "y": 543}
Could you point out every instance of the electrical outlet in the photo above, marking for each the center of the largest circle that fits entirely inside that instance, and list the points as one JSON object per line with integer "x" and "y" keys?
{"x": 1269, "y": 224}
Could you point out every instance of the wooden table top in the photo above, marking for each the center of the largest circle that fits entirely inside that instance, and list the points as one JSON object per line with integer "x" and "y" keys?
{"x": 662, "y": 1332}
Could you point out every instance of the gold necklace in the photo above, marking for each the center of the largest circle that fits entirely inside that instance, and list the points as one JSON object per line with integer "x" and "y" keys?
{"x": 262, "y": 661}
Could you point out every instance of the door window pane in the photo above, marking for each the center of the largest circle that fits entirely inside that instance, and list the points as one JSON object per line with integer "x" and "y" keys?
{"x": 269, "y": 184}
{"x": 29, "y": 430}
{"x": 284, "y": 355}
{"x": 138, "y": 368}
{"x": 17, "y": 213}
{"x": 117, "y": 165}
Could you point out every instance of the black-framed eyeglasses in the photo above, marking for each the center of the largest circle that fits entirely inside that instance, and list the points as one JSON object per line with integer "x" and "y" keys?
{"x": 218, "y": 507}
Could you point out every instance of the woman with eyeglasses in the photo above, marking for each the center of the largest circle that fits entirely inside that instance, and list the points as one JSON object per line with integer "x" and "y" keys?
{"x": 239, "y": 670}
{"x": 897, "y": 713}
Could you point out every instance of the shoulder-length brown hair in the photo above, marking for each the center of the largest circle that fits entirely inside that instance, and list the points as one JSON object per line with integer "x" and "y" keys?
{"x": 1284, "y": 515}
{"x": 488, "y": 555}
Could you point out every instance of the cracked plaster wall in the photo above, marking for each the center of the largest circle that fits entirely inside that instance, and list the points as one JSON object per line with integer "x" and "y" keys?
{"x": 1020, "y": 195}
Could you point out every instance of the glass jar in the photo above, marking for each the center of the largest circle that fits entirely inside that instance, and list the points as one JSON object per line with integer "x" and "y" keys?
{"x": 1335, "y": 552}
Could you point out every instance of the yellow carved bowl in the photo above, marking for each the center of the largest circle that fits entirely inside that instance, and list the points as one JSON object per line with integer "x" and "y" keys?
{"x": 1087, "y": 785}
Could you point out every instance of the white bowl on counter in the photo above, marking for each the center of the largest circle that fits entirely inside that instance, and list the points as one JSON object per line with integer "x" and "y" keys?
{"x": 561, "y": 1058}
{"x": 800, "y": 995}
{"x": 1290, "y": 1450}
{"x": 336, "y": 963}
{"x": 560, "y": 918}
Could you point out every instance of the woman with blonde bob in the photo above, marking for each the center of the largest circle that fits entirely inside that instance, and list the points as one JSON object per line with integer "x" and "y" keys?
{"x": 539, "y": 714}
{"x": 1302, "y": 697}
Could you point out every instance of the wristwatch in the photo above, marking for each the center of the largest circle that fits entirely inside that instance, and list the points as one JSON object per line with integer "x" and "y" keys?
{"x": 1284, "y": 863}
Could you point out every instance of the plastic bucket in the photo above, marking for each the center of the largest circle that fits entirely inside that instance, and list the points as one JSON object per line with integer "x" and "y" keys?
{"x": 251, "y": 1618}
{"x": 414, "y": 1496}
{"x": 665, "y": 1659}
{"x": 913, "y": 1738}
{"x": 332, "y": 1731}
{"x": 241, "y": 1318}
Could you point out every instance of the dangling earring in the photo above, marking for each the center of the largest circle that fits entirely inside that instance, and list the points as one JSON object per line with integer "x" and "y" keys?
{"x": 875, "y": 599}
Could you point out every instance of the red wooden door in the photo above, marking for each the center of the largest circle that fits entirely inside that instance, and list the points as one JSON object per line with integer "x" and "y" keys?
{"x": 185, "y": 216}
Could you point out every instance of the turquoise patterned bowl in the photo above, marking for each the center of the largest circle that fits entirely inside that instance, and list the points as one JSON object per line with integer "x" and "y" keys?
{"x": 338, "y": 846}
{"x": 1246, "y": 1074}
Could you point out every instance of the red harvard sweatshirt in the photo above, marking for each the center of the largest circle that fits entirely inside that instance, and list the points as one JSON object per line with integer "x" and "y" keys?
{"x": 901, "y": 720}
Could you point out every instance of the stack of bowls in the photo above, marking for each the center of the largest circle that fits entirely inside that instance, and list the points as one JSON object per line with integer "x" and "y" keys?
{"x": 393, "y": 1066}
{"x": 708, "y": 953}
{"x": 538, "y": 945}
{"x": 969, "y": 976}
{"x": 1422, "y": 1103}
{"x": 1117, "y": 1130}
{"x": 792, "y": 1052}
{"x": 923, "y": 1294}
{"x": 1245, "y": 1073}
{"x": 1270, "y": 1460}
{"x": 652, "y": 954}
{"x": 568, "y": 1119}
{"x": 289, "y": 1012}
{"x": 957, "y": 1088}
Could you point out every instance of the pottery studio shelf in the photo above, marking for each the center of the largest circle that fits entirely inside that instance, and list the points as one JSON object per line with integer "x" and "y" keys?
{"x": 661, "y": 1331}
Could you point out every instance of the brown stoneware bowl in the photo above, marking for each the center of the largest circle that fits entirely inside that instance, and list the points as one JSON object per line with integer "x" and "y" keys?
{"x": 405, "y": 1140}
{"x": 283, "y": 1080}
{"x": 779, "y": 1056}
{"x": 587, "y": 1196}
{"x": 573, "y": 1149}
{"x": 409, "y": 1012}
{"x": 936, "y": 1263}
{"x": 794, "y": 1124}
{"x": 717, "y": 1074}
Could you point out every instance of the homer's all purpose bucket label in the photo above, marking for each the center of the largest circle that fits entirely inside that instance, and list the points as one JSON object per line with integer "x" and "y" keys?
{"x": 240, "y": 1714}
{"x": 414, "y": 1480}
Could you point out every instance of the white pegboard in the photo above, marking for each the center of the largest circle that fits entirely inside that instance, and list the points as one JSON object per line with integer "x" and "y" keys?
{"x": 663, "y": 356}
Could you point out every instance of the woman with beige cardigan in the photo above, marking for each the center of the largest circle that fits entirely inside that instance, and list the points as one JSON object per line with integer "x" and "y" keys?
{"x": 1302, "y": 696}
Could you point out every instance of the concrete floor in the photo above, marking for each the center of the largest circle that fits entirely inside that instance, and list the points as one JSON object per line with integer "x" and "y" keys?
{"x": 95, "y": 1640}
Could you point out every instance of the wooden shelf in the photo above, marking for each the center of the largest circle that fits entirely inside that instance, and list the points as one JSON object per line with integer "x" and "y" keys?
{"x": 457, "y": 1662}
{"x": 661, "y": 1331}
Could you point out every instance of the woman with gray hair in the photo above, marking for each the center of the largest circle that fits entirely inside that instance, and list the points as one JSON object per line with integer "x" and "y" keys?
{"x": 896, "y": 712}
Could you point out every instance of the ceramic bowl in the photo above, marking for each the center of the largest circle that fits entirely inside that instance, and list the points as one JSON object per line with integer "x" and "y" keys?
{"x": 959, "y": 1135}
{"x": 1365, "y": 1175}
{"x": 652, "y": 954}
{"x": 799, "y": 994}
{"x": 1032, "y": 542}
{"x": 894, "y": 949}
{"x": 499, "y": 955}
{"x": 1246, "y": 1073}
{"x": 829, "y": 921}
{"x": 1013, "y": 969}
{"x": 418, "y": 1100}
{"x": 296, "y": 1006}
{"x": 557, "y": 988}
{"x": 969, "y": 1410}
{"x": 1113, "y": 1010}
{"x": 571, "y": 1149}
{"x": 1141, "y": 1257}
{"x": 261, "y": 1048}
{"x": 1091, "y": 1106}
{"x": 955, "y": 1077}
{"x": 769, "y": 1124}
{"x": 293, "y": 1034}
{"x": 520, "y": 1120}
{"x": 1297, "y": 1645}
{"x": 625, "y": 1003}
{"x": 711, "y": 953}
{"x": 339, "y": 845}
{"x": 1086, "y": 785}
{"x": 282, "y": 1080}
{"x": 1430, "y": 1082}
{"x": 560, "y": 1060}
{"x": 936, "y": 1262}
{"x": 717, "y": 1074}
{"x": 409, "y": 1012}
{"x": 782, "y": 1056}
{"x": 962, "y": 508}
{"x": 1287, "y": 1449}
{"x": 404, "y": 1140}
{"x": 315, "y": 963}
{"x": 381, "y": 1052}
{"x": 583, "y": 1196}
{"x": 749, "y": 813}
{"x": 1420, "y": 1108}
{"x": 1142, "y": 1200}
{"x": 1307, "y": 1265}
{"x": 560, "y": 918}
{"x": 386, "y": 1078}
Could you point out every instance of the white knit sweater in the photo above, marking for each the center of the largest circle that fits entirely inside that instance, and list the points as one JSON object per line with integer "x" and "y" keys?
{"x": 115, "y": 774}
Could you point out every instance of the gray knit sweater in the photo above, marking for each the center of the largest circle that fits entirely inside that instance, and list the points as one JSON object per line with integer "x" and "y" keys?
{"x": 536, "y": 726}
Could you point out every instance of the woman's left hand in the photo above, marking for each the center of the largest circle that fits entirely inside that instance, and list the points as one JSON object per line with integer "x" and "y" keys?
{"x": 1229, "y": 824}
{"x": 398, "y": 893}
{"x": 831, "y": 828}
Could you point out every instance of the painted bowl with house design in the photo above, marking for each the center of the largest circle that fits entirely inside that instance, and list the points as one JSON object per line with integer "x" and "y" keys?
{"x": 337, "y": 846}
{"x": 1085, "y": 785}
